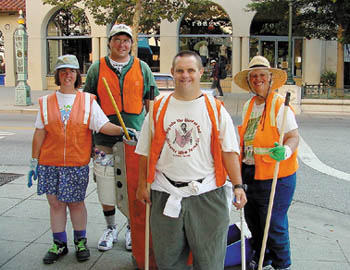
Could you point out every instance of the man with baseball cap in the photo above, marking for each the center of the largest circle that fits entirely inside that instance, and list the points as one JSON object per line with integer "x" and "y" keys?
{"x": 129, "y": 79}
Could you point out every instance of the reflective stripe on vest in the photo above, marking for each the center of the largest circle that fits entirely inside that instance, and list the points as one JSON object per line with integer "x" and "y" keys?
{"x": 129, "y": 98}
{"x": 264, "y": 140}
{"x": 45, "y": 110}
{"x": 160, "y": 108}
{"x": 68, "y": 145}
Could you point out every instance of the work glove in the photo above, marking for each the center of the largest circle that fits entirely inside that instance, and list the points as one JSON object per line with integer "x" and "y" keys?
{"x": 132, "y": 133}
{"x": 33, "y": 171}
{"x": 280, "y": 152}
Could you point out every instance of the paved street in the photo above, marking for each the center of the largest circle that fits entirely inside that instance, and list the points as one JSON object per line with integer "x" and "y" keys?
{"x": 319, "y": 216}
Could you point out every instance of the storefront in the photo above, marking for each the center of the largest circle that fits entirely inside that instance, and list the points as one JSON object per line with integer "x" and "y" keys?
{"x": 222, "y": 32}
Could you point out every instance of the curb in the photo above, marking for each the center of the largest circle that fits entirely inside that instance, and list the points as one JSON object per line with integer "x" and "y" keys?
{"x": 24, "y": 111}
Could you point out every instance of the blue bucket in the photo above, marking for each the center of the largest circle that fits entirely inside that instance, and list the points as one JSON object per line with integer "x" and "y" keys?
{"x": 233, "y": 251}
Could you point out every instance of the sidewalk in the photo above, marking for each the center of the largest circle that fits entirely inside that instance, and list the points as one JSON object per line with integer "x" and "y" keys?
{"x": 319, "y": 237}
{"x": 7, "y": 100}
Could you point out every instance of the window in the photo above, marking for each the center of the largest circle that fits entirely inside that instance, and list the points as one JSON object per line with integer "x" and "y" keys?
{"x": 275, "y": 49}
{"x": 68, "y": 32}
{"x": 208, "y": 31}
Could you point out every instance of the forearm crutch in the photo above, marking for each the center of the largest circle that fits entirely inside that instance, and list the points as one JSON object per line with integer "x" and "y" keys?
{"x": 273, "y": 187}
{"x": 148, "y": 208}
{"x": 116, "y": 108}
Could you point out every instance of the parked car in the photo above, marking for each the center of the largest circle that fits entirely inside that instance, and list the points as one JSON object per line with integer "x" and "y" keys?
{"x": 166, "y": 84}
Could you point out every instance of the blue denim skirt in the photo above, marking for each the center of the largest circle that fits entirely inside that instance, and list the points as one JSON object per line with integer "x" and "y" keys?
{"x": 69, "y": 184}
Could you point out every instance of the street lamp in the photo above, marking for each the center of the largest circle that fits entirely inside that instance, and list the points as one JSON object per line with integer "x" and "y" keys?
{"x": 22, "y": 90}
{"x": 290, "y": 79}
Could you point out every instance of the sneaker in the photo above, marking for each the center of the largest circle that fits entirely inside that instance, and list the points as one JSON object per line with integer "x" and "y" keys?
{"x": 288, "y": 268}
{"x": 128, "y": 245}
{"x": 82, "y": 252}
{"x": 253, "y": 265}
{"x": 110, "y": 236}
{"x": 58, "y": 250}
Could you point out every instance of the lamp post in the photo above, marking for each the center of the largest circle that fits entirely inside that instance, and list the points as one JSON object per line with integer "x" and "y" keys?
{"x": 290, "y": 79}
{"x": 22, "y": 90}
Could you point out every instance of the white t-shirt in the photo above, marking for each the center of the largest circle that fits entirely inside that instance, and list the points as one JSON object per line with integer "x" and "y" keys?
{"x": 186, "y": 154}
{"x": 203, "y": 51}
{"x": 65, "y": 103}
{"x": 255, "y": 116}
{"x": 117, "y": 65}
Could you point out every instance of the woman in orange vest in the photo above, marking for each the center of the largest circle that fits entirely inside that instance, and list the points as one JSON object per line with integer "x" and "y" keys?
{"x": 61, "y": 151}
{"x": 259, "y": 136}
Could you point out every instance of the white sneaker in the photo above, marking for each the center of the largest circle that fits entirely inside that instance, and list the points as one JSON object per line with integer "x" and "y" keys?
{"x": 110, "y": 236}
{"x": 128, "y": 245}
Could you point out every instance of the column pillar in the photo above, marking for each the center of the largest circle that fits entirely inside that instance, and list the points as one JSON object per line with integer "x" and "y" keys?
{"x": 245, "y": 52}
{"x": 95, "y": 49}
{"x": 103, "y": 46}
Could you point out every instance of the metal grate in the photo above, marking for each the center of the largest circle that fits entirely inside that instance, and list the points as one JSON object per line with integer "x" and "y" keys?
{"x": 8, "y": 177}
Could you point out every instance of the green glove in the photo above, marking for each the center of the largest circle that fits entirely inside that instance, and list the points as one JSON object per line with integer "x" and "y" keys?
{"x": 278, "y": 152}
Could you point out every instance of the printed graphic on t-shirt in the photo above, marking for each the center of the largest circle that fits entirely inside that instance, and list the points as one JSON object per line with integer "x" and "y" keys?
{"x": 183, "y": 137}
{"x": 65, "y": 112}
{"x": 249, "y": 136}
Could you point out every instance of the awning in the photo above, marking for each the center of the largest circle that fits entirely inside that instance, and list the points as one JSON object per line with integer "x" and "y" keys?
{"x": 143, "y": 46}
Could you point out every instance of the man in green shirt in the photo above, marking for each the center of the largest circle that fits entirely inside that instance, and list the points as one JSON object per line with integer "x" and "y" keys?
{"x": 130, "y": 80}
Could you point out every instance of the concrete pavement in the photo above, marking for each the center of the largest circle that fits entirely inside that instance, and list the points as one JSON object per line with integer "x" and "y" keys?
{"x": 320, "y": 238}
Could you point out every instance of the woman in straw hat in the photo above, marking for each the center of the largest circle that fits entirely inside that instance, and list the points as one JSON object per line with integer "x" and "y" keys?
{"x": 259, "y": 135}
{"x": 61, "y": 152}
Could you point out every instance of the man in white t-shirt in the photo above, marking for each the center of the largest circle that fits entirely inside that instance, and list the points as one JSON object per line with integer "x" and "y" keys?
{"x": 193, "y": 146}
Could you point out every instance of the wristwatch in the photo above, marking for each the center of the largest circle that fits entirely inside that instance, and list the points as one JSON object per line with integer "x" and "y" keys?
{"x": 240, "y": 186}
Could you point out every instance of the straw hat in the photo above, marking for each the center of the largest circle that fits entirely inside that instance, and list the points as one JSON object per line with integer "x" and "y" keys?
{"x": 279, "y": 76}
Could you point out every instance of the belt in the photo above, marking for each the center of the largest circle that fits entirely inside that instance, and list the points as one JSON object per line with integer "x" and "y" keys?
{"x": 181, "y": 184}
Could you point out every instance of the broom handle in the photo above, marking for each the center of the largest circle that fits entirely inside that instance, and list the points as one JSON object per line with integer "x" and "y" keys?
{"x": 243, "y": 259}
{"x": 116, "y": 108}
{"x": 148, "y": 208}
{"x": 273, "y": 187}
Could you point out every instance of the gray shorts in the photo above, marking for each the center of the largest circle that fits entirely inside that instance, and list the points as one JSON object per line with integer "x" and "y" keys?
{"x": 201, "y": 227}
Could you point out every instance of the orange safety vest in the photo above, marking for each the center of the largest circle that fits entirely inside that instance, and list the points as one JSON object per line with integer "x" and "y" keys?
{"x": 129, "y": 98}
{"x": 160, "y": 136}
{"x": 264, "y": 141}
{"x": 70, "y": 145}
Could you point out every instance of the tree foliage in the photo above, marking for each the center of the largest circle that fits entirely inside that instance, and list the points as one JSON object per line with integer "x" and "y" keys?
{"x": 322, "y": 19}
{"x": 311, "y": 18}
{"x": 152, "y": 12}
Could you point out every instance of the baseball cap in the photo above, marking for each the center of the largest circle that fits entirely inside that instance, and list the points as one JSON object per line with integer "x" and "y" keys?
{"x": 67, "y": 61}
{"x": 212, "y": 61}
{"x": 120, "y": 29}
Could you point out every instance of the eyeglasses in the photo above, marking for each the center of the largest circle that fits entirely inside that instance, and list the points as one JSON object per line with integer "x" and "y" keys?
{"x": 67, "y": 71}
{"x": 121, "y": 41}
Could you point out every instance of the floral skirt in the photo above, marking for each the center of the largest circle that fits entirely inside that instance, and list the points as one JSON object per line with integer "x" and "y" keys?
{"x": 69, "y": 184}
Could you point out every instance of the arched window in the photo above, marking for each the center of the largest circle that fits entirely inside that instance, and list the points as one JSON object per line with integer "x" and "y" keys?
{"x": 208, "y": 31}
{"x": 69, "y": 33}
